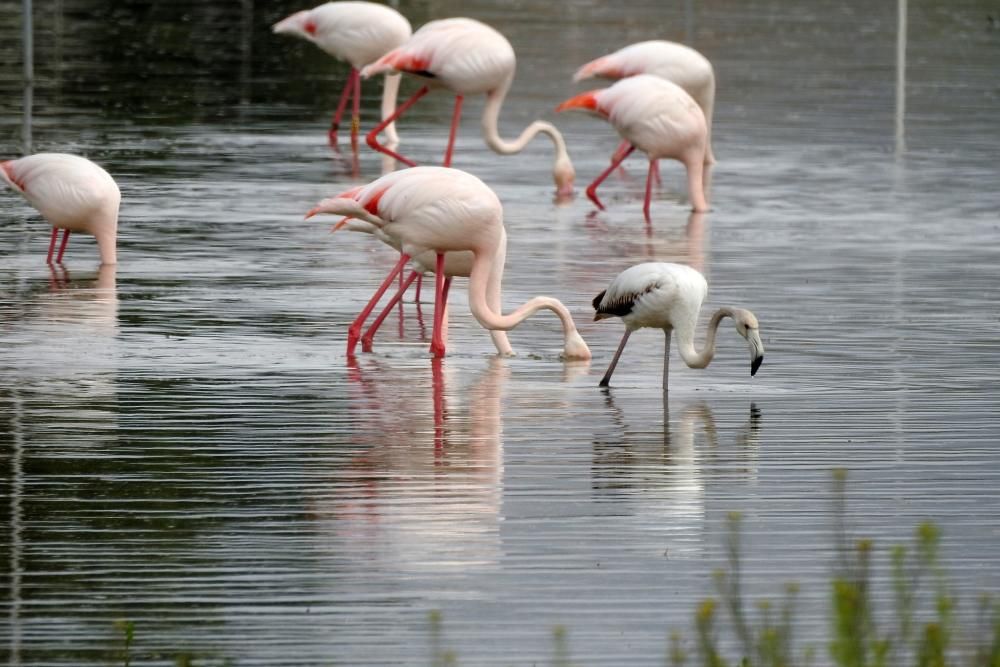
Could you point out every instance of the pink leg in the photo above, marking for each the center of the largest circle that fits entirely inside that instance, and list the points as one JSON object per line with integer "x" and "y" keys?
{"x": 354, "y": 332}
{"x": 372, "y": 137}
{"x": 437, "y": 340}
{"x": 620, "y": 151}
{"x": 366, "y": 340}
{"x": 653, "y": 170}
{"x": 356, "y": 112}
{"x": 52, "y": 245}
{"x": 592, "y": 188}
{"x": 344, "y": 95}
{"x": 437, "y": 383}
{"x": 420, "y": 281}
{"x": 455, "y": 117}
{"x": 62, "y": 248}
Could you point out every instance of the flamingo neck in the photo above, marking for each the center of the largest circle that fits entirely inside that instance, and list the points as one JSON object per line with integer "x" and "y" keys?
{"x": 562, "y": 166}
{"x": 107, "y": 241}
{"x": 685, "y": 339}
{"x": 484, "y": 292}
{"x": 390, "y": 91}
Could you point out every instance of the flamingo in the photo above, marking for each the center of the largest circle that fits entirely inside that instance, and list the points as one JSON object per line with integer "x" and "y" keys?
{"x": 360, "y": 33}
{"x": 466, "y": 57}
{"x": 668, "y": 60}
{"x": 668, "y": 296}
{"x": 659, "y": 118}
{"x": 73, "y": 194}
{"x": 456, "y": 263}
{"x": 441, "y": 209}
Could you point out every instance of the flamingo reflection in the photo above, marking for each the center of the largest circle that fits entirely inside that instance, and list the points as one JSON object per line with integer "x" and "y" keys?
{"x": 663, "y": 474}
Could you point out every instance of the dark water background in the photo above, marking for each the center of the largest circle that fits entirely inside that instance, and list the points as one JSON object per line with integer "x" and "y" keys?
{"x": 185, "y": 445}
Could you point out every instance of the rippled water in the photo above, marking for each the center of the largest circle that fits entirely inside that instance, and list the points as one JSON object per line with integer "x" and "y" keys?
{"x": 186, "y": 446}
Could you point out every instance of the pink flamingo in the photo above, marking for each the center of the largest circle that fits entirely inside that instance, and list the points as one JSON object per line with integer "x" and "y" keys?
{"x": 456, "y": 263}
{"x": 360, "y": 33}
{"x": 667, "y": 296}
{"x": 659, "y": 118}
{"x": 668, "y": 60}
{"x": 445, "y": 210}
{"x": 73, "y": 194}
{"x": 466, "y": 57}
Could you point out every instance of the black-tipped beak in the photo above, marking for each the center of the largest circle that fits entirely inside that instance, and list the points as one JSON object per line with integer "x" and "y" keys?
{"x": 755, "y": 364}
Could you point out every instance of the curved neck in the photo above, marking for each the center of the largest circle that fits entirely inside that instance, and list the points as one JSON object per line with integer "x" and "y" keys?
{"x": 491, "y": 118}
{"x": 483, "y": 278}
{"x": 685, "y": 339}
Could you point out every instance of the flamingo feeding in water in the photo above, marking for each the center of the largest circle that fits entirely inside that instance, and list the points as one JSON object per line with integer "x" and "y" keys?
{"x": 360, "y": 33}
{"x": 457, "y": 263}
{"x": 73, "y": 194}
{"x": 443, "y": 210}
{"x": 667, "y": 296}
{"x": 659, "y": 118}
{"x": 466, "y": 57}
{"x": 668, "y": 60}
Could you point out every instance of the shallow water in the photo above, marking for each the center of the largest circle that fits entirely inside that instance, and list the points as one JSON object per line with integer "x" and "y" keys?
{"x": 186, "y": 445}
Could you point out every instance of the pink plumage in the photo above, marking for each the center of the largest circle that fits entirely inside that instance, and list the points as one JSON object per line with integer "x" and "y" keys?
{"x": 659, "y": 118}
{"x": 73, "y": 194}
{"x": 442, "y": 210}
{"x": 467, "y": 57}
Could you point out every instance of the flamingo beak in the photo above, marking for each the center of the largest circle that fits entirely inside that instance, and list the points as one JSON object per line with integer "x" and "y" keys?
{"x": 756, "y": 351}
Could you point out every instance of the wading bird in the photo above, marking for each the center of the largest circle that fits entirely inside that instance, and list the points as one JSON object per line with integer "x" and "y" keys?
{"x": 444, "y": 210}
{"x": 657, "y": 117}
{"x": 73, "y": 194}
{"x": 360, "y": 33}
{"x": 667, "y": 296}
{"x": 668, "y": 60}
{"x": 466, "y": 57}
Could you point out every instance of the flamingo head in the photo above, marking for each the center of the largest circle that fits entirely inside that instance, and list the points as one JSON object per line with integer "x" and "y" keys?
{"x": 748, "y": 327}
{"x": 575, "y": 348}
{"x": 298, "y": 24}
{"x": 564, "y": 175}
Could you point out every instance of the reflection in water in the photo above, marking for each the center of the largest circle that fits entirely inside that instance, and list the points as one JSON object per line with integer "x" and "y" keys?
{"x": 663, "y": 475}
{"x": 423, "y": 492}
{"x": 900, "y": 77}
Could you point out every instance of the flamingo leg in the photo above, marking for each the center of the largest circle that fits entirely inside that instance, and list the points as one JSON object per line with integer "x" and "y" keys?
{"x": 455, "y": 117}
{"x": 344, "y": 95}
{"x": 356, "y": 112}
{"x": 354, "y": 332}
{"x": 62, "y": 246}
{"x": 592, "y": 188}
{"x": 420, "y": 281}
{"x": 440, "y": 293}
{"x": 52, "y": 245}
{"x": 372, "y": 138}
{"x": 366, "y": 340}
{"x": 614, "y": 362}
{"x": 622, "y": 147}
{"x": 653, "y": 171}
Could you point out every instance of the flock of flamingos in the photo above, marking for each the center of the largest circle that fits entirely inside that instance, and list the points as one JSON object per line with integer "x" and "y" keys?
{"x": 444, "y": 220}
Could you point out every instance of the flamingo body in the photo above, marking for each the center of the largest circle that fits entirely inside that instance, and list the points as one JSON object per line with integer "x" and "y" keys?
{"x": 668, "y": 60}
{"x": 668, "y": 296}
{"x": 445, "y": 210}
{"x": 461, "y": 54}
{"x": 357, "y": 32}
{"x": 72, "y": 193}
{"x": 656, "y": 116}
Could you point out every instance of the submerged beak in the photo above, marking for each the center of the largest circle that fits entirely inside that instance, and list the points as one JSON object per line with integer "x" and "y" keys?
{"x": 756, "y": 351}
